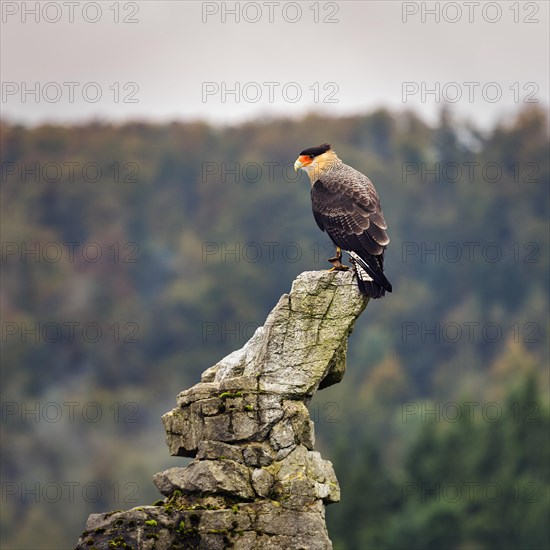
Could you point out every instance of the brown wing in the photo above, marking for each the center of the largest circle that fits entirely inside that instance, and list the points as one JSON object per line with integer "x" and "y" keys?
{"x": 346, "y": 206}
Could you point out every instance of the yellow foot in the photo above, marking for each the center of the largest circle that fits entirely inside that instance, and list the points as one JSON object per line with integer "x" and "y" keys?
{"x": 337, "y": 265}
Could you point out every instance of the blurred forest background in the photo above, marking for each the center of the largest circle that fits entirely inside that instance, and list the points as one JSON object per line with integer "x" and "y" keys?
{"x": 439, "y": 433}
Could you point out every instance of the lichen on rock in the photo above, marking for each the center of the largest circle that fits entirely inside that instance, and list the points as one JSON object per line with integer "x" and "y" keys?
{"x": 255, "y": 482}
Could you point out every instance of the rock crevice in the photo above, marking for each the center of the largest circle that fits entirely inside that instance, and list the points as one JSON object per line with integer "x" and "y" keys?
{"x": 255, "y": 481}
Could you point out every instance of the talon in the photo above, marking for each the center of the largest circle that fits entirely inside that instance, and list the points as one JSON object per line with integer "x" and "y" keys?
{"x": 337, "y": 265}
{"x": 337, "y": 261}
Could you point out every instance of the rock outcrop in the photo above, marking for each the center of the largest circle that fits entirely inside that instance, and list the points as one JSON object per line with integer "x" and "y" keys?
{"x": 255, "y": 482}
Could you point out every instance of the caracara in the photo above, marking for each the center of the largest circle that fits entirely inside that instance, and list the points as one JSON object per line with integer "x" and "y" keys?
{"x": 345, "y": 205}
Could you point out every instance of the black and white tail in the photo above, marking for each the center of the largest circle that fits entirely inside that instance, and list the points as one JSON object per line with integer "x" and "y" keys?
{"x": 370, "y": 276}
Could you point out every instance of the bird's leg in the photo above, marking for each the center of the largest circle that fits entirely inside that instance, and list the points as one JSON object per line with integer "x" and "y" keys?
{"x": 337, "y": 261}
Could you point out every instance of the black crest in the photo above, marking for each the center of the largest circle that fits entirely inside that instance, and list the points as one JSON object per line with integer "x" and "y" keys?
{"x": 316, "y": 151}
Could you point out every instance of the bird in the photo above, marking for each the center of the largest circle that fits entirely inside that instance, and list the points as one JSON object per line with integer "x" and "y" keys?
{"x": 347, "y": 207}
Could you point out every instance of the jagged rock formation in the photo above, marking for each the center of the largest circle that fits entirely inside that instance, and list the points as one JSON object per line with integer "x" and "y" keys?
{"x": 256, "y": 482}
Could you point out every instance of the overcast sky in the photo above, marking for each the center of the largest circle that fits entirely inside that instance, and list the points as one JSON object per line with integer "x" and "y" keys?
{"x": 162, "y": 60}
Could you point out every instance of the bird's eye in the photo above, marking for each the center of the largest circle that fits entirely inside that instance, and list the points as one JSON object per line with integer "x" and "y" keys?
{"x": 311, "y": 157}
